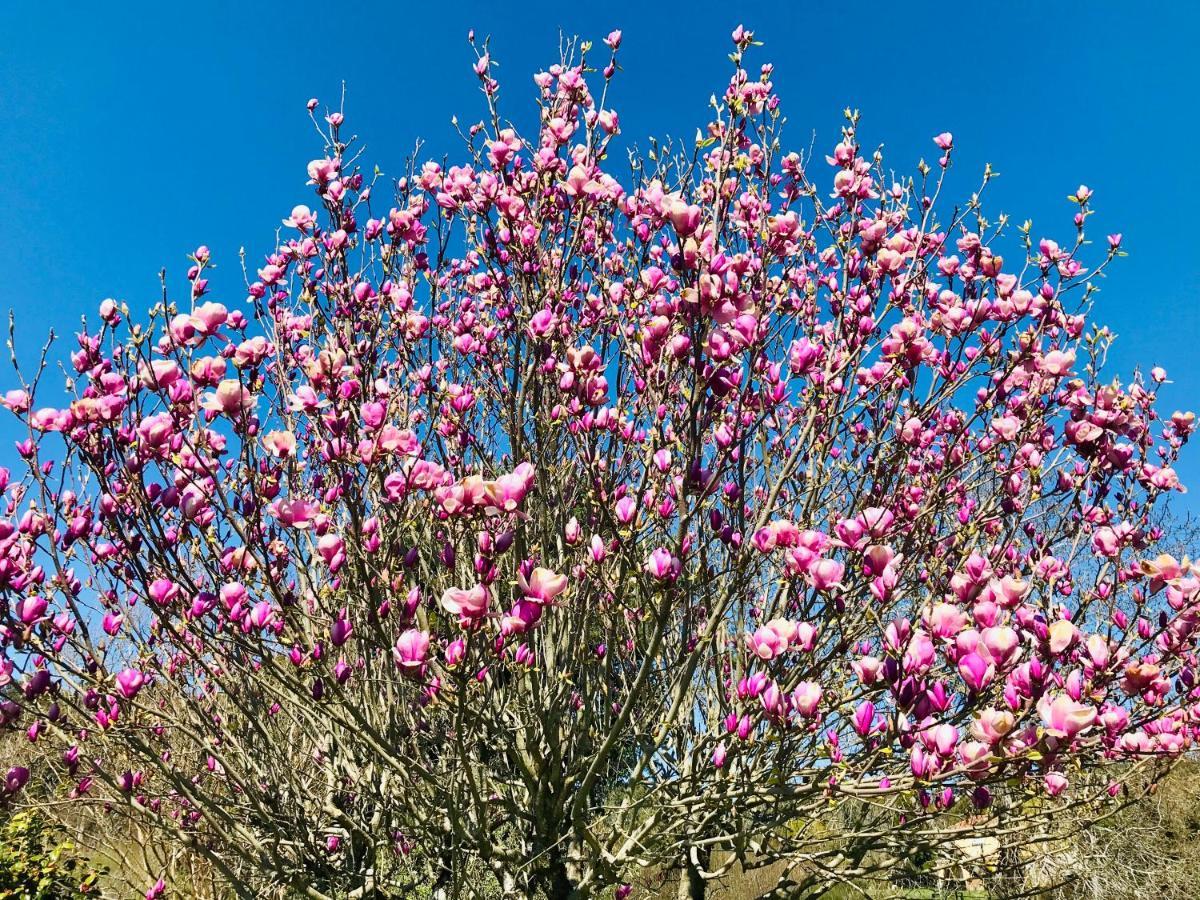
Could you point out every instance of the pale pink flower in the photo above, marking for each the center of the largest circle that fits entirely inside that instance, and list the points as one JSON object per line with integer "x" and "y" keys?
{"x": 295, "y": 513}
{"x": 280, "y": 443}
{"x": 469, "y": 604}
{"x": 229, "y": 398}
{"x": 543, "y": 585}
{"x": 1063, "y": 717}
{"x": 766, "y": 643}
{"x": 807, "y": 697}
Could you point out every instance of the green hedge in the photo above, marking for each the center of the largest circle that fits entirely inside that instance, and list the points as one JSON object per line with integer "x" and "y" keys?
{"x": 38, "y": 862}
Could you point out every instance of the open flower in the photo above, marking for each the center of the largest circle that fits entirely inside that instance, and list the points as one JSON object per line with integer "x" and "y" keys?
{"x": 469, "y": 604}
{"x": 230, "y": 398}
{"x": 766, "y": 643}
{"x": 298, "y": 513}
{"x": 543, "y": 585}
{"x": 1063, "y": 717}
{"x": 280, "y": 443}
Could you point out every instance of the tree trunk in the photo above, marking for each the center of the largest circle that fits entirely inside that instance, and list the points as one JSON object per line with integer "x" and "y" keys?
{"x": 559, "y": 884}
{"x": 444, "y": 877}
{"x": 691, "y": 885}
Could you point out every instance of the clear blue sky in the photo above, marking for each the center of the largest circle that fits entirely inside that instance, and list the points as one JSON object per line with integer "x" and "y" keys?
{"x": 129, "y": 137}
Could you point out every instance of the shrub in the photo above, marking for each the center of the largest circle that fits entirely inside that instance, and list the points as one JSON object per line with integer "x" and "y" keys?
{"x": 533, "y": 525}
{"x": 37, "y": 862}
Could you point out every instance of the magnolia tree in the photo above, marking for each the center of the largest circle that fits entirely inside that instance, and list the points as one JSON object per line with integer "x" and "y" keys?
{"x": 544, "y": 520}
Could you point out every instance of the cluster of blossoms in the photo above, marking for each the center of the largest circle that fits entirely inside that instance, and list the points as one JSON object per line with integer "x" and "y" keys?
{"x": 566, "y": 521}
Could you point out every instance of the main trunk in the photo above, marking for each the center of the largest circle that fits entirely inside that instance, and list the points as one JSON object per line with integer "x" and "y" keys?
{"x": 692, "y": 885}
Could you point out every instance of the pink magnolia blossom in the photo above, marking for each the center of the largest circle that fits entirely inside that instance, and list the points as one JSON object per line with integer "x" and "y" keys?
{"x": 469, "y": 604}
{"x": 32, "y": 609}
{"x": 411, "y": 650}
{"x": 807, "y": 697}
{"x": 661, "y": 565}
{"x": 766, "y": 643}
{"x": 164, "y": 591}
{"x": 262, "y": 614}
{"x": 332, "y": 549}
{"x": 863, "y": 719}
{"x": 785, "y": 628}
{"x": 1055, "y": 783}
{"x": 1062, "y": 635}
{"x": 1063, "y": 717}
{"x": 295, "y": 513}
{"x": 129, "y": 682}
{"x": 976, "y": 672}
{"x": 826, "y": 574}
{"x": 230, "y": 398}
{"x": 543, "y": 585}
